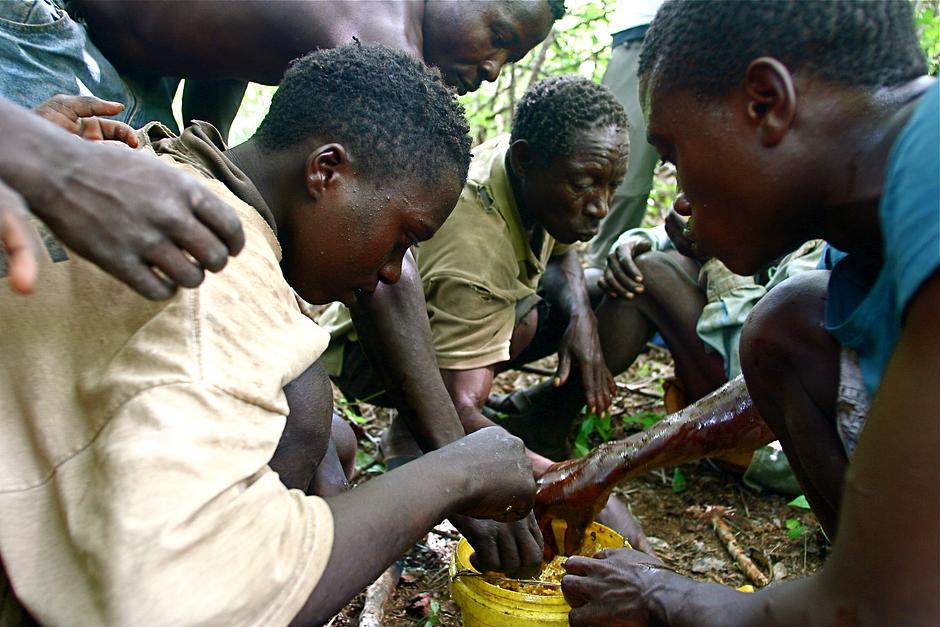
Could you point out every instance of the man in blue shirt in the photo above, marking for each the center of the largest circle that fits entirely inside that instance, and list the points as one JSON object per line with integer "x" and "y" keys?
{"x": 826, "y": 126}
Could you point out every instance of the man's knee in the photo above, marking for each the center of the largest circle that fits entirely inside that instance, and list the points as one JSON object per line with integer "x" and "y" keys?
{"x": 787, "y": 325}
{"x": 345, "y": 441}
{"x": 310, "y": 399}
{"x": 665, "y": 272}
{"x": 785, "y": 340}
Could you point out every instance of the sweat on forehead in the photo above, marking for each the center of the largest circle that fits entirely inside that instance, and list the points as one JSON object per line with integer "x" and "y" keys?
{"x": 552, "y": 112}
{"x": 706, "y": 46}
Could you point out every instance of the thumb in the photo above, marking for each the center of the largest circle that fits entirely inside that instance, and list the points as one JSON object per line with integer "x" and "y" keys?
{"x": 19, "y": 241}
{"x": 564, "y": 369}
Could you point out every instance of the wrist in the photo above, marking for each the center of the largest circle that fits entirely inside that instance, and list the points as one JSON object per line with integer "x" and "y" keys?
{"x": 37, "y": 162}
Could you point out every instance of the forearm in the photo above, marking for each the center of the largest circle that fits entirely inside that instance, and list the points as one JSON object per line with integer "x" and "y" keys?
{"x": 723, "y": 421}
{"x": 394, "y": 331}
{"x": 564, "y": 286}
{"x": 368, "y": 536}
{"x": 36, "y": 156}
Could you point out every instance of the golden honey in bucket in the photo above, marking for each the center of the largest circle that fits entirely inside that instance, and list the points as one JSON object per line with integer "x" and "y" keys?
{"x": 497, "y": 601}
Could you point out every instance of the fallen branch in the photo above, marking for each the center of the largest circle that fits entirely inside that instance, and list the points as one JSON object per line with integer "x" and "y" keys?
{"x": 535, "y": 370}
{"x": 715, "y": 515}
{"x": 377, "y": 595}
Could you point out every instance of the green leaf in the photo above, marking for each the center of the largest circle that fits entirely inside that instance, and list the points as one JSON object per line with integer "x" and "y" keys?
{"x": 799, "y": 502}
{"x": 679, "y": 483}
{"x": 795, "y": 529}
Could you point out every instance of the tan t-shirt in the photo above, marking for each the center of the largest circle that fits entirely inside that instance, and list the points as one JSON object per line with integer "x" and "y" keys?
{"x": 136, "y": 436}
{"x": 474, "y": 270}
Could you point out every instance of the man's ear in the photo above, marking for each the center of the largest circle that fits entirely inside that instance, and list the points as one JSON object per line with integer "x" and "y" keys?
{"x": 520, "y": 157}
{"x": 325, "y": 166}
{"x": 771, "y": 99}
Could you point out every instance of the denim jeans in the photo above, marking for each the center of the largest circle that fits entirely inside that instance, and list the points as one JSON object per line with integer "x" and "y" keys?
{"x": 45, "y": 52}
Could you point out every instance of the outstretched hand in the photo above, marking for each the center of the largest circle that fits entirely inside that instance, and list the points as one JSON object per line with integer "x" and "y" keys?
{"x": 18, "y": 240}
{"x": 151, "y": 226}
{"x": 610, "y": 588}
{"x": 79, "y": 116}
{"x": 570, "y": 491}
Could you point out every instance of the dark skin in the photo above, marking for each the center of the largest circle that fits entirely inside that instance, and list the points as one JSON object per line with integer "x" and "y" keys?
{"x": 157, "y": 218}
{"x": 469, "y": 41}
{"x": 832, "y": 171}
{"x": 657, "y": 291}
{"x": 567, "y": 197}
{"x": 323, "y": 204}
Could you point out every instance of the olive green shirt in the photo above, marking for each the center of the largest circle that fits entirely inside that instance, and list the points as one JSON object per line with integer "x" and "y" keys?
{"x": 474, "y": 271}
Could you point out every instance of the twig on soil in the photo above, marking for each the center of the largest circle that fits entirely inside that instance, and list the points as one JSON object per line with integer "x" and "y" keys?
{"x": 639, "y": 389}
{"x": 377, "y": 595}
{"x": 715, "y": 515}
{"x": 533, "y": 369}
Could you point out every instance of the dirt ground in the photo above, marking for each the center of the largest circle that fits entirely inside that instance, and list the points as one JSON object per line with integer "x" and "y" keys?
{"x": 784, "y": 541}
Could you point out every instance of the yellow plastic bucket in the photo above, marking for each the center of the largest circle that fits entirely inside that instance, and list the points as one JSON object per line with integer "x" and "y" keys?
{"x": 484, "y": 604}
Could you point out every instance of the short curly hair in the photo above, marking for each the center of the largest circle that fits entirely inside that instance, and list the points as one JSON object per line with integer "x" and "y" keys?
{"x": 553, "y": 110}
{"x": 558, "y": 8}
{"x": 706, "y": 46}
{"x": 393, "y": 112}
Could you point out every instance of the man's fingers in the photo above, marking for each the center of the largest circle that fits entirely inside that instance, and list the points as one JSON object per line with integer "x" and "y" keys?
{"x": 574, "y": 536}
{"x": 171, "y": 261}
{"x": 75, "y": 107}
{"x": 508, "y": 560}
{"x": 219, "y": 217}
{"x": 19, "y": 240}
{"x": 111, "y": 130}
{"x": 204, "y": 246}
{"x": 485, "y": 556}
{"x": 574, "y": 587}
{"x": 564, "y": 369}
{"x": 142, "y": 279}
{"x": 623, "y": 276}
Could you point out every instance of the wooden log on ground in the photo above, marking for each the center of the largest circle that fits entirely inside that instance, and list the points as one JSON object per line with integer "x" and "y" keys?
{"x": 377, "y": 595}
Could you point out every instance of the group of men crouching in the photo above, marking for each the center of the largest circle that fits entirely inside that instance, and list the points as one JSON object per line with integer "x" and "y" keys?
{"x": 170, "y": 454}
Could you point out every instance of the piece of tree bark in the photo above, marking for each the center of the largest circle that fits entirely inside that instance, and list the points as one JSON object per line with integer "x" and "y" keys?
{"x": 727, "y": 537}
{"x": 377, "y": 595}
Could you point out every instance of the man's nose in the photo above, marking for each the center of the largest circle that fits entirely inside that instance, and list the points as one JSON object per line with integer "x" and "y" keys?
{"x": 682, "y": 205}
{"x": 489, "y": 69}
{"x": 599, "y": 207}
{"x": 391, "y": 272}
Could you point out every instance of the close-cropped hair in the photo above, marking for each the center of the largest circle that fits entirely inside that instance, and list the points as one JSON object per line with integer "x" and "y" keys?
{"x": 551, "y": 113}
{"x": 393, "y": 113}
{"x": 557, "y": 8}
{"x": 706, "y": 46}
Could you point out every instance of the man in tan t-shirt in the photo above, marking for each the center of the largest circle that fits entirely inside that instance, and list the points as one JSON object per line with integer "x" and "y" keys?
{"x": 142, "y": 442}
{"x": 502, "y": 282}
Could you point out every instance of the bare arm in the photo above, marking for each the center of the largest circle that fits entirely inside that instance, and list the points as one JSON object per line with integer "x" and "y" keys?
{"x": 123, "y": 210}
{"x": 565, "y": 288}
{"x": 483, "y": 474}
{"x": 883, "y": 569}
{"x": 250, "y": 40}
{"x": 723, "y": 421}
{"x": 393, "y": 327}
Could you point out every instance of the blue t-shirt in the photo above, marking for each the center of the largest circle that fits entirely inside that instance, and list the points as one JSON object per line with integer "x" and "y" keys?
{"x": 866, "y": 303}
